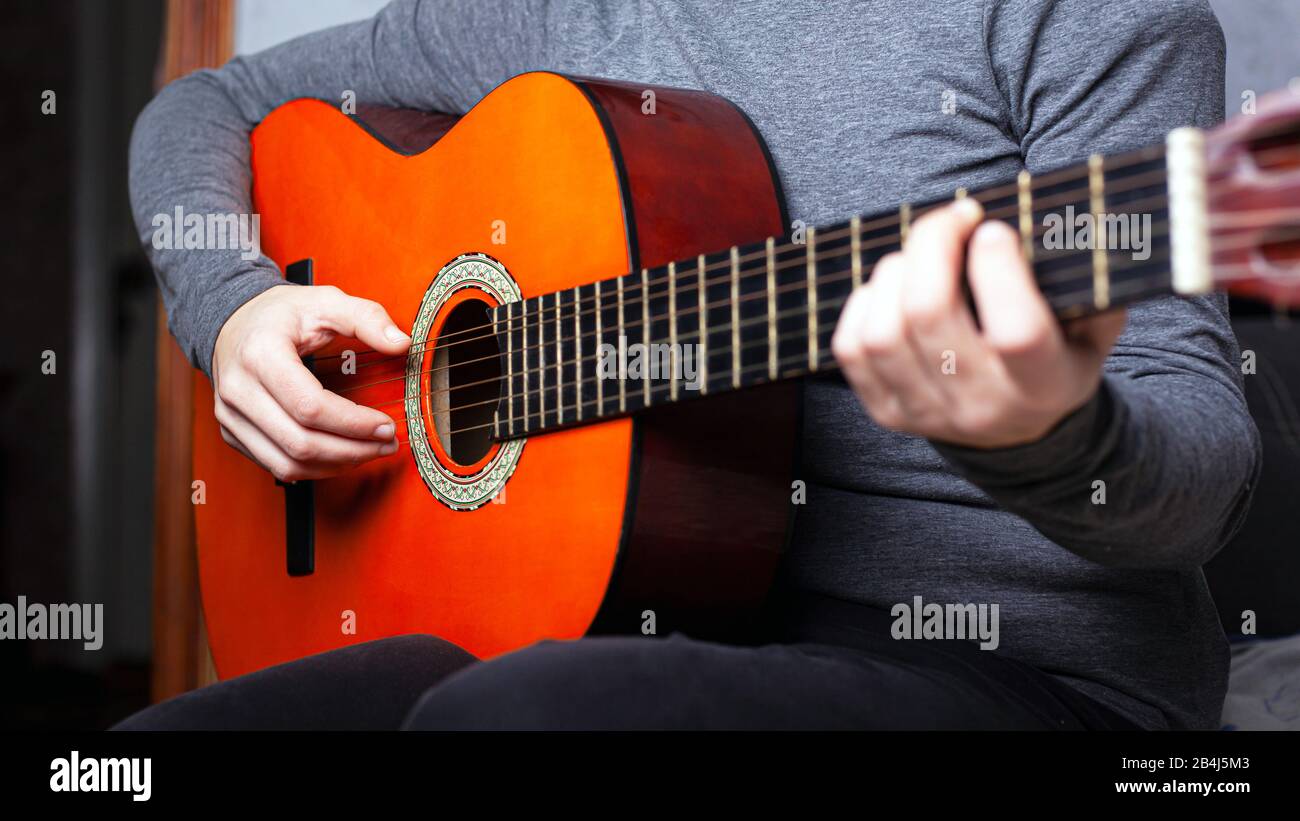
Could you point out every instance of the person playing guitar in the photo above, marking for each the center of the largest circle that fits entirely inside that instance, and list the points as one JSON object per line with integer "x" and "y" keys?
{"x": 959, "y": 459}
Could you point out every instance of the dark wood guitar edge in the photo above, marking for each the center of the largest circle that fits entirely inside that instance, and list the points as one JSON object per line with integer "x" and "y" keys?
{"x": 708, "y": 512}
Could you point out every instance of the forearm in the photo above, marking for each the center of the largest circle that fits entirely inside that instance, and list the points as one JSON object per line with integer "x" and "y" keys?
{"x": 190, "y": 151}
{"x": 1154, "y": 472}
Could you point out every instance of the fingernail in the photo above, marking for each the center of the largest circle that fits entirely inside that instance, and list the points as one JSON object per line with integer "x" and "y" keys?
{"x": 390, "y": 447}
{"x": 969, "y": 208}
{"x": 385, "y": 431}
{"x": 395, "y": 334}
{"x": 988, "y": 231}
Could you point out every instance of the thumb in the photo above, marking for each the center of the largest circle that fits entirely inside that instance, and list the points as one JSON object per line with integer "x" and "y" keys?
{"x": 361, "y": 319}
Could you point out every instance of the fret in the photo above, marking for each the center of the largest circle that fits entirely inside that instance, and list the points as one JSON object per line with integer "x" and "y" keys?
{"x": 510, "y": 377}
{"x": 960, "y": 195}
{"x": 811, "y": 254}
{"x": 702, "y": 322}
{"x": 791, "y": 302}
{"x": 672, "y": 331}
{"x": 577, "y": 346}
{"x": 541, "y": 360}
{"x": 620, "y": 343}
{"x": 772, "y": 365}
{"x": 559, "y": 364}
{"x": 608, "y": 342}
{"x": 645, "y": 331}
{"x": 735, "y": 317}
{"x": 855, "y": 250}
{"x": 496, "y": 413}
{"x": 1097, "y": 204}
{"x": 600, "y": 339}
{"x": 523, "y": 351}
{"x": 1025, "y": 199}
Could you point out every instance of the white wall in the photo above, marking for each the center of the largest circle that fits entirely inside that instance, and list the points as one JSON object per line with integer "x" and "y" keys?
{"x": 260, "y": 24}
{"x": 1263, "y": 45}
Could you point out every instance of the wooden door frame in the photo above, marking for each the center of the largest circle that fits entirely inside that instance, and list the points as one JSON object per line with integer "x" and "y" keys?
{"x": 197, "y": 34}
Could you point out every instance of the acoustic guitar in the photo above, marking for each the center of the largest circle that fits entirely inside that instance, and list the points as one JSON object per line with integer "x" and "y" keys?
{"x": 611, "y": 314}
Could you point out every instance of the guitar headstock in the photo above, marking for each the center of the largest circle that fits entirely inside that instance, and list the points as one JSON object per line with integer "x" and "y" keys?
{"x": 1253, "y": 201}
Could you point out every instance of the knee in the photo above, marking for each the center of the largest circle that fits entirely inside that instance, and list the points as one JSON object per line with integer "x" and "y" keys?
{"x": 587, "y": 684}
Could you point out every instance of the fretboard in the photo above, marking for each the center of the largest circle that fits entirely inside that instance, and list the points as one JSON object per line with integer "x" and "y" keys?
{"x": 765, "y": 311}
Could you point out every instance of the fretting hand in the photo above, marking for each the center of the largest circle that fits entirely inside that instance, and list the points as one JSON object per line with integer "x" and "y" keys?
{"x": 909, "y": 345}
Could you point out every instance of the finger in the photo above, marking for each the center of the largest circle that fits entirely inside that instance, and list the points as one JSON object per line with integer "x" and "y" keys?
{"x": 1017, "y": 323}
{"x": 258, "y": 447}
{"x": 889, "y": 352}
{"x": 939, "y": 322}
{"x": 933, "y": 301}
{"x": 361, "y": 319}
{"x": 307, "y": 445}
{"x": 300, "y": 394}
{"x": 852, "y": 357}
{"x": 261, "y": 446}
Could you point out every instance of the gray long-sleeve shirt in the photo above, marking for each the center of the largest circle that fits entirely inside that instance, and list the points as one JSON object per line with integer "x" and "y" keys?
{"x": 855, "y": 100}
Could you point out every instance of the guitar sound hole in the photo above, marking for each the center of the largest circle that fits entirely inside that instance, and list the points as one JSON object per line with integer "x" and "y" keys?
{"x": 465, "y": 383}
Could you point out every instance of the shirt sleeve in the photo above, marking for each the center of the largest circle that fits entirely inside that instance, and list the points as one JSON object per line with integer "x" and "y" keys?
{"x": 1168, "y": 434}
{"x": 190, "y": 150}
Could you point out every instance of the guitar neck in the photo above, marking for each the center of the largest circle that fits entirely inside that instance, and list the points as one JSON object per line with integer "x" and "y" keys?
{"x": 1097, "y": 235}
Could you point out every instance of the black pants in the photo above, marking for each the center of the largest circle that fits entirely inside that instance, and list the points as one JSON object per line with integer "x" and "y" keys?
{"x": 830, "y": 665}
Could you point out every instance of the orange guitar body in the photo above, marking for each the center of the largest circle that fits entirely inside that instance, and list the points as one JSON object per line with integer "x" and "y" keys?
{"x": 562, "y": 182}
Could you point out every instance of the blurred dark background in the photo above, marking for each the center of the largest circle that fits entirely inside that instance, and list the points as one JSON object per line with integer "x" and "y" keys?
{"x": 77, "y": 446}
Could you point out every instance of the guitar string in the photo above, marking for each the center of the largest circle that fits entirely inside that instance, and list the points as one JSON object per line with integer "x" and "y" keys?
{"x": 801, "y": 310}
{"x": 1056, "y": 277}
{"x": 795, "y": 359}
{"x": 544, "y": 314}
{"x": 743, "y": 275}
{"x": 1133, "y": 286}
{"x": 1071, "y": 196}
{"x": 1048, "y": 179}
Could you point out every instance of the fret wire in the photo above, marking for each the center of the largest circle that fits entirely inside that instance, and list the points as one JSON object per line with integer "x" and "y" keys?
{"x": 798, "y": 359}
{"x": 771, "y": 307}
{"x": 1139, "y": 286}
{"x": 1144, "y": 180}
{"x": 1060, "y": 176}
{"x": 622, "y": 337}
{"x": 645, "y": 327}
{"x": 735, "y": 317}
{"x": 703, "y": 324}
{"x": 1058, "y": 199}
{"x": 496, "y": 414}
{"x": 1025, "y": 200}
{"x": 811, "y": 296}
{"x": 672, "y": 331}
{"x": 1097, "y": 203}
{"x": 1047, "y": 278}
{"x": 541, "y": 359}
{"x": 1134, "y": 182}
{"x": 904, "y": 222}
{"x": 523, "y": 352}
{"x": 510, "y": 369}
{"x": 855, "y": 239}
{"x": 1043, "y": 278}
{"x": 600, "y": 340}
{"x": 577, "y": 344}
{"x": 559, "y": 363}
{"x": 1133, "y": 286}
